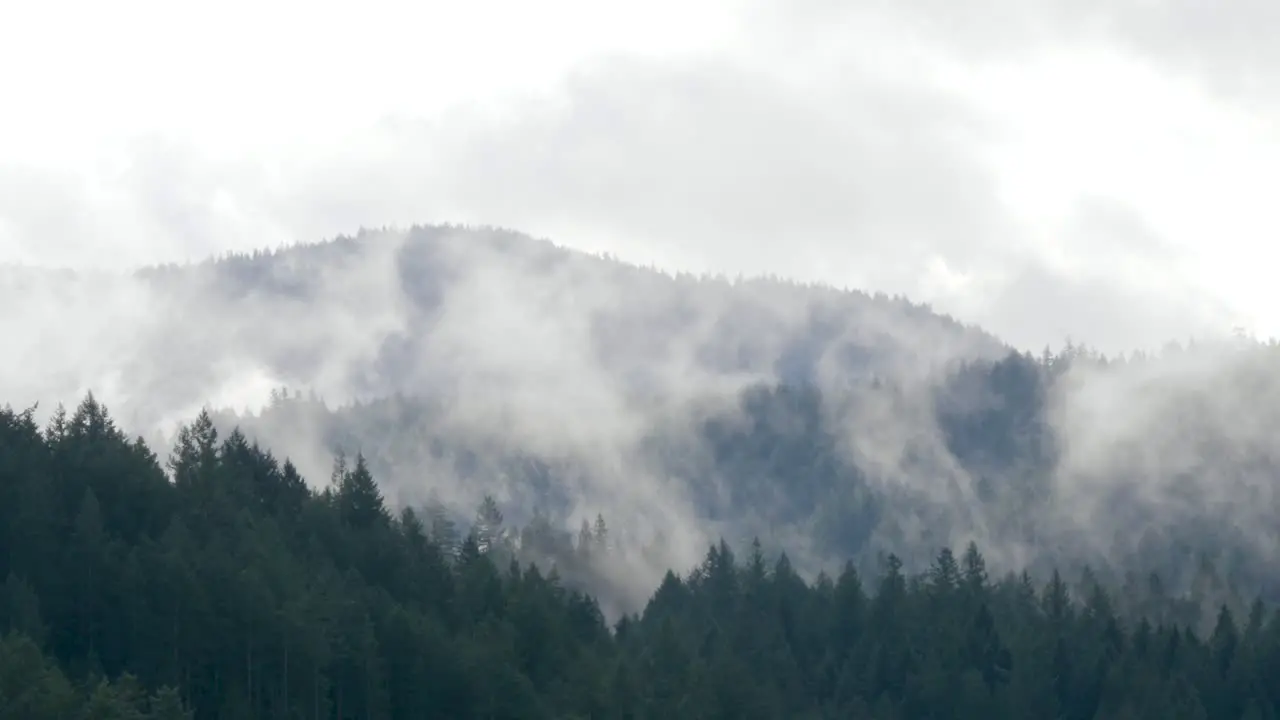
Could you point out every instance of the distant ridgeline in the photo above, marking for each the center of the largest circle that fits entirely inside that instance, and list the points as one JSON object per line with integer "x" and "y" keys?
{"x": 227, "y": 588}
{"x": 308, "y": 301}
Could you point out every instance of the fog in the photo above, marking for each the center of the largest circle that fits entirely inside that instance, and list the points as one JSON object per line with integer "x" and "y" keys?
{"x": 1042, "y": 171}
{"x": 523, "y": 352}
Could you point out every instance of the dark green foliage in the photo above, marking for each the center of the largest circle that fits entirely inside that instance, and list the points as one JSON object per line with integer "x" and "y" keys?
{"x": 236, "y": 592}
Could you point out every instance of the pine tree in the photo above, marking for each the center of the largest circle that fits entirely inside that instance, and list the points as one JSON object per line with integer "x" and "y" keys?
{"x": 360, "y": 500}
{"x": 487, "y": 530}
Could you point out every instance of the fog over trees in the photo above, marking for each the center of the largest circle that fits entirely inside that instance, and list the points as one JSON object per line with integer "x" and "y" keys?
{"x": 460, "y": 472}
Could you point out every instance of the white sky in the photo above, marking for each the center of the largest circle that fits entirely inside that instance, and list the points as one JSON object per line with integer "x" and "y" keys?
{"x": 1104, "y": 171}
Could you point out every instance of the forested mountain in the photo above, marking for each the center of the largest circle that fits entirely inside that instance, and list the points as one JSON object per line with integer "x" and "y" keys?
{"x": 1039, "y": 459}
{"x": 582, "y": 372}
{"x": 570, "y": 454}
{"x": 235, "y": 591}
{"x": 443, "y": 309}
{"x": 835, "y": 424}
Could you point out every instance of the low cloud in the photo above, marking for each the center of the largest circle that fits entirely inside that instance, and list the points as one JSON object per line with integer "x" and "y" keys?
{"x": 802, "y": 142}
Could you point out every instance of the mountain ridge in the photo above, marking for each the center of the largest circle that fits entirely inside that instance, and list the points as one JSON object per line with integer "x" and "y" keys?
{"x": 832, "y": 422}
{"x": 348, "y": 318}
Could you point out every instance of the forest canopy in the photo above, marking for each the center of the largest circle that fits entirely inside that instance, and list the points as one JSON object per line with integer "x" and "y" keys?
{"x": 219, "y": 584}
{"x": 550, "y": 485}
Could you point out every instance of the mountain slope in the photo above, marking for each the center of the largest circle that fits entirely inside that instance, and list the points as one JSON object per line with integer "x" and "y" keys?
{"x": 443, "y": 309}
{"x": 235, "y": 591}
{"x": 683, "y": 409}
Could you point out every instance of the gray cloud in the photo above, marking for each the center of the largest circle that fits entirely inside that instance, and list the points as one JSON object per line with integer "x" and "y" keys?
{"x": 1229, "y": 47}
{"x": 837, "y": 170}
{"x": 735, "y": 168}
{"x": 1040, "y": 304}
{"x": 1127, "y": 296}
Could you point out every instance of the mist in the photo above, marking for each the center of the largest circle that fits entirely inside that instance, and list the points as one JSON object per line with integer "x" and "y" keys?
{"x": 472, "y": 362}
{"x": 745, "y": 358}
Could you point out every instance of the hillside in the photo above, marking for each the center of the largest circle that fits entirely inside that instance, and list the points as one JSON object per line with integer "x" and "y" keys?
{"x": 1147, "y": 466}
{"x": 473, "y": 362}
{"x": 526, "y": 482}
{"x": 234, "y": 591}
{"x": 442, "y": 310}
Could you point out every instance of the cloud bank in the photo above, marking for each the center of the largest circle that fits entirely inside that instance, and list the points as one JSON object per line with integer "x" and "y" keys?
{"x": 1106, "y": 164}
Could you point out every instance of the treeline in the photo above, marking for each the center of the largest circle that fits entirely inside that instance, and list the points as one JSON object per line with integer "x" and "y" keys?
{"x": 226, "y": 588}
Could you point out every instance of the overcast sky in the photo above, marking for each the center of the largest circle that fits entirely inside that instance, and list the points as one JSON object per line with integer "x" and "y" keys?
{"x": 1101, "y": 170}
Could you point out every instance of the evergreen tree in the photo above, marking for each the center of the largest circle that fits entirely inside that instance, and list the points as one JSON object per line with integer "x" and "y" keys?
{"x": 232, "y": 592}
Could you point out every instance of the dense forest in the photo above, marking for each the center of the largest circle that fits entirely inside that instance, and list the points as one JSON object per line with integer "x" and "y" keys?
{"x": 527, "y": 482}
{"x": 218, "y": 584}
